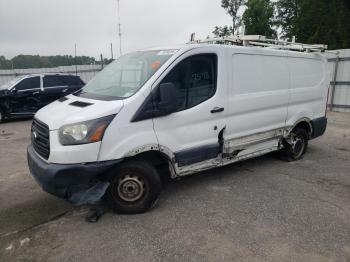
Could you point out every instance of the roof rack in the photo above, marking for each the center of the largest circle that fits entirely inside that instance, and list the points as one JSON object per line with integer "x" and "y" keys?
{"x": 262, "y": 41}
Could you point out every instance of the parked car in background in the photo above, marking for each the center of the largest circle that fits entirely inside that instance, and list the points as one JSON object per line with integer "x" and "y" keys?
{"x": 25, "y": 95}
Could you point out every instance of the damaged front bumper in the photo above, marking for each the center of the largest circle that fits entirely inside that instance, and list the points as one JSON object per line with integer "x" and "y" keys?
{"x": 76, "y": 183}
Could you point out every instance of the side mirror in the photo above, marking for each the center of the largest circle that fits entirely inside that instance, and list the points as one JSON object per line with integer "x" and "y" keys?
{"x": 168, "y": 98}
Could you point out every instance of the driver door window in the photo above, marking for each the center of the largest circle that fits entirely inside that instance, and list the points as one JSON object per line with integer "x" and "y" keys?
{"x": 194, "y": 79}
{"x": 28, "y": 84}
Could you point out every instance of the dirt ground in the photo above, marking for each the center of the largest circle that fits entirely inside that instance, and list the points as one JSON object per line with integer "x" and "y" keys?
{"x": 259, "y": 210}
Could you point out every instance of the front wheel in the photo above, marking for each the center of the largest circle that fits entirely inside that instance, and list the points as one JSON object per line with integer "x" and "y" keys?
{"x": 134, "y": 188}
{"x": 295, "y": 145}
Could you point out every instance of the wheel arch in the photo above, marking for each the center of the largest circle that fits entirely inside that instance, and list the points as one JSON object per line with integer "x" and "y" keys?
{"x": 304, "y": 123}
{"x": 157, "y": 157}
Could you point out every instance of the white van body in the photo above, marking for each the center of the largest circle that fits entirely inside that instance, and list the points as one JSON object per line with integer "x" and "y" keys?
{"x": 260, "y": 96}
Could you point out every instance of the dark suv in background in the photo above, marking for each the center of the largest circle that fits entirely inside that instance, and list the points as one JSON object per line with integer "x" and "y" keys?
{"x": 25, "y": 95}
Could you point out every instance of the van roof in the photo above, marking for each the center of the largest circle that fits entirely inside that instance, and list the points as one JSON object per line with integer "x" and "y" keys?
{"x": 47, "y": 74}
{"x": 174, "y": 47}
{"x": 189, "y": 46}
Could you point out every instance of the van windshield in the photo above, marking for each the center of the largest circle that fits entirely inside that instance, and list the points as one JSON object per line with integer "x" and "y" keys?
{"x": 125, "y": 76}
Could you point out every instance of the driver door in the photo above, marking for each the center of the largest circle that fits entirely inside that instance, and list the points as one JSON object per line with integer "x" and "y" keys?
{"x": 26, "y": 96}
{"x": 54, "y": 88}
{"x": 192, "y": 133}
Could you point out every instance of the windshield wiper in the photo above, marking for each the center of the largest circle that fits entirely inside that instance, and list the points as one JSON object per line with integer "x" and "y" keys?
{"x": 79, "y": 92}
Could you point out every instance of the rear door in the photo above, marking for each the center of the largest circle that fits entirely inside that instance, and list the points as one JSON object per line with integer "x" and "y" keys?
{"x": 54, "y": 88}
{"x": 26, "y": 98}
{"x": 192, "y": 133}
{"x": 74, "y": 83}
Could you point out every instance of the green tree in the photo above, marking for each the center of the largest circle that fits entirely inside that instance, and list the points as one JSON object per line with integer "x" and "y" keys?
{"x": 232, "y": 7}
{"x": 223, "y": 31}
{"x": 288, "y": 17}
{"x": 315, "y": 21}
{"x": 36, "y": 61}
{"x": 4, "y": 63}
{"x": 258, "y": 18}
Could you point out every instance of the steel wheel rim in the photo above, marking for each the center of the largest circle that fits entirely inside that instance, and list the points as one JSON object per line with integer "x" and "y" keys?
{"x": 130, "y": 188}
{"x": 298, "y": 145}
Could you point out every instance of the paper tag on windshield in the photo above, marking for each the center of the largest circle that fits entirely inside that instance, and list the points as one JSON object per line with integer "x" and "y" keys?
{"x": 167, "y": 52}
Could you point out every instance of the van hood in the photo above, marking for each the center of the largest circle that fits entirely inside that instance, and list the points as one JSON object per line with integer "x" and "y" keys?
{"x": 73, "y": 109}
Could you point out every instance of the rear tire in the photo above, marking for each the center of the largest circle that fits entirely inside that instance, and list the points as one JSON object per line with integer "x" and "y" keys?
{"x": 297, "y": 145}
{"x": 135, "y": 188}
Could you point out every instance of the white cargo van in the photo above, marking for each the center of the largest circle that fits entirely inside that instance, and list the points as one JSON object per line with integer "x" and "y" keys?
{"x": 176, "y": 111}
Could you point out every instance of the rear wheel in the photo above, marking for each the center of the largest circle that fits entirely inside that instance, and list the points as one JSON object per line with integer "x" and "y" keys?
{"x": 295, "y": 145}
{"x": 134, "y": 188}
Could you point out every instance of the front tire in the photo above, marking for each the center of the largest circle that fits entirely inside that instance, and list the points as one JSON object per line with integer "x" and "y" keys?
{"x": 295, "y": 145}
{"x": 135, "y": 188}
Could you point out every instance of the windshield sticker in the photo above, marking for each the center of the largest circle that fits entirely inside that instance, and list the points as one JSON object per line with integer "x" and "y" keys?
{"x": 155, "y": 64}
{"x": 167, "y": 52}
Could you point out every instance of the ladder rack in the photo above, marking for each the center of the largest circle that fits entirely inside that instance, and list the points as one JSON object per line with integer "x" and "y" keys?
{"x": 262, "y": 41}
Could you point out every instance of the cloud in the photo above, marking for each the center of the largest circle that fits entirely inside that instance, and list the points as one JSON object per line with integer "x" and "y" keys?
{"x": 52, "y": 27}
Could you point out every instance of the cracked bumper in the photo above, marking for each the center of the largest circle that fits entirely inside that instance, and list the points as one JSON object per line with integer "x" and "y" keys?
{"x": 76, "y": 183}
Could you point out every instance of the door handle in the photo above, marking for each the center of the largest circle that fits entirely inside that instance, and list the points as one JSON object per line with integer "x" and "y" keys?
{"x": 217, "y": 110}
{"x": 36, "y": 93}
{"x": 64, "y": 90}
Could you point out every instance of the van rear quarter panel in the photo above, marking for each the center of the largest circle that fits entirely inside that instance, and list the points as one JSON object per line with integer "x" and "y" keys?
{"x": 309, "y": 82}
{"x": 258, "y": 91}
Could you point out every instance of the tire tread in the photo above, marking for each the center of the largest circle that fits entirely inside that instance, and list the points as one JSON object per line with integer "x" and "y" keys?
{"x": 148, "y": 172}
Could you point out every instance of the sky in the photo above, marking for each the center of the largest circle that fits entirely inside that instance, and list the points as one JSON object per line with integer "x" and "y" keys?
{"x": 53, "y": 27}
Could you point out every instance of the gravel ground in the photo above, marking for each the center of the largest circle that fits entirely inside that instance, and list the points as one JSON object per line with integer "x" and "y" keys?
{"x": 258, "y": 210}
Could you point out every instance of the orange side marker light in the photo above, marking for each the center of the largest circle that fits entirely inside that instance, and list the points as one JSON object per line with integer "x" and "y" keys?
{"x": 97, "y": 135}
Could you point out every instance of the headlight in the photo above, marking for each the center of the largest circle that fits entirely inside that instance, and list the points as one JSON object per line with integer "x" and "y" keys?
{"x": 84, "y": 133}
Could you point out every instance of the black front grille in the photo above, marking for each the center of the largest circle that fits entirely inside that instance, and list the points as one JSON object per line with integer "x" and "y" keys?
{"x": 41, "y": 138}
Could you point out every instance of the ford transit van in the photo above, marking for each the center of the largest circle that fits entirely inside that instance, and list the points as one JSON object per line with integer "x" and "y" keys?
{"x": 173, "y": 112}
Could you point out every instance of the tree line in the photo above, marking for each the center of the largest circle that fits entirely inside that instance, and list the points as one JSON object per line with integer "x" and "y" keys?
{"x": 37, "y": 61}
{"x": 309, "y": 21}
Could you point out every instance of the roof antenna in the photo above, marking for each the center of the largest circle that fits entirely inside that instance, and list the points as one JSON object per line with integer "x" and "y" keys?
{"x": 119, "y": 29}
{"x": 75, "y": 59}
